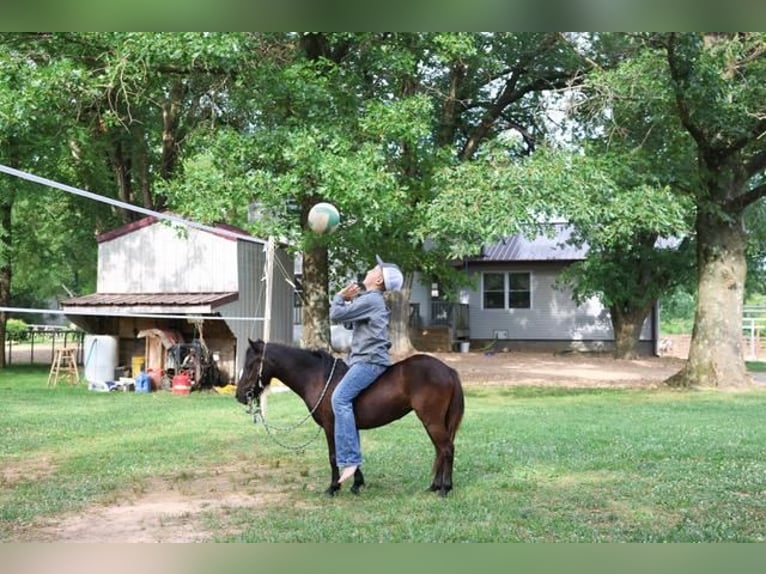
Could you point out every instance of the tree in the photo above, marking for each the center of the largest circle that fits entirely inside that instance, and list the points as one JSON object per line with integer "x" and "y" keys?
{"x": 638, "y": 249}
{"x": 364, "y": 121}
{"x": 372, "y": 115}
{"x": 102, "y": 111}
{"x": 711, "y": 89}
{"x": 612, "y": 209}
{"x": 33, "y": 92}
{"x": 637, "y": 230}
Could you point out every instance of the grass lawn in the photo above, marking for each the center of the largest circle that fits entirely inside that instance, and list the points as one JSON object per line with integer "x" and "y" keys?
{"x": 756, "y": 366}
{"x": 532, "y": 465}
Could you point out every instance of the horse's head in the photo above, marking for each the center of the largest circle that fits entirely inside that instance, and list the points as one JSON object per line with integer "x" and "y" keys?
{"x": 252, "y": 381}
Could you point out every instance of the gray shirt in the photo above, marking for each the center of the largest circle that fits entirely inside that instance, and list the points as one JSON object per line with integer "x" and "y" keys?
{"x": 369, "y": 315}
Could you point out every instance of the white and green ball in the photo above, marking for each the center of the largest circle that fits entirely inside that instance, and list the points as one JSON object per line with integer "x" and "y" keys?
{"x": 323, "y": 218}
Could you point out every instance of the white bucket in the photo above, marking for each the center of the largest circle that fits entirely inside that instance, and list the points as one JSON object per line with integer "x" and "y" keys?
{"x": 465, "y": 346}
{"x": 99, "y": 357}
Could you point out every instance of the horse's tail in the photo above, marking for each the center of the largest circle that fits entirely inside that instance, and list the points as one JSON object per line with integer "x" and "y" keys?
{"x": 456, "y": 405}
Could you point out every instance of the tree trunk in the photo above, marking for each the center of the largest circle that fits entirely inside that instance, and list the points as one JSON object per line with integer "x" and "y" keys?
{"x": 7, "y": 195}
{"x": 6, "y": 205}
{"x": 715, "y": 355}
{"x": 627, "y": 325}
{"x": 316, "y": 312}
{"x": 399, "y": 322}
{"x": 170, "y": 127}
{"x": 121, "y": 171}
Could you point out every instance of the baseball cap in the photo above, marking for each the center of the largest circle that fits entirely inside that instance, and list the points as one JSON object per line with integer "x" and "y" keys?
{"x": 392, "y": 275}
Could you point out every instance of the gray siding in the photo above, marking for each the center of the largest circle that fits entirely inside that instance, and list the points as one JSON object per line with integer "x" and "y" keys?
{"x": 251, "y": 261}
{"x": 421, "y": 294}
{"x": 553, "y": 315}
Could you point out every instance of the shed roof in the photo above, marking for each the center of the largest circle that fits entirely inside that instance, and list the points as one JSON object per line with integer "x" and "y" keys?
{"x": 153, "y": 299}
{"x": 151, "y": 220}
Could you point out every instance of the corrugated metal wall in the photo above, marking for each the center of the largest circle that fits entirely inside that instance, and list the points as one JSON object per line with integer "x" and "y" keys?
{"x": 251, "y": 262}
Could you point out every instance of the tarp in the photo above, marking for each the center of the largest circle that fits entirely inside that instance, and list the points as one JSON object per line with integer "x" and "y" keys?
{"x": 167, "y": 338}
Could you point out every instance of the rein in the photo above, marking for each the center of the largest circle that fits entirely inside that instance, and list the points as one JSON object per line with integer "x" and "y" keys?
{"x": 254, "y": 409}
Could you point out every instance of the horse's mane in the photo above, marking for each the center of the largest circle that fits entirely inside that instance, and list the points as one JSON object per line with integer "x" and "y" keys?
{"x": 322, "y": 355}
{"x": 325, "y": 358}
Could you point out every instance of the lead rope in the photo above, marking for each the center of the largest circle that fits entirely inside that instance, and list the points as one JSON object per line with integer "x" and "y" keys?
{"x": 254, "y": 408}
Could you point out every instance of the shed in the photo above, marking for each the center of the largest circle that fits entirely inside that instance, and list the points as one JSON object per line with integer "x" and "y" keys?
{"x": 155, "y": 277}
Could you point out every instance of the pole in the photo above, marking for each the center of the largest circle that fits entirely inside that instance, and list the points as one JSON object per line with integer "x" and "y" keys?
{"x": 268, "y": 275}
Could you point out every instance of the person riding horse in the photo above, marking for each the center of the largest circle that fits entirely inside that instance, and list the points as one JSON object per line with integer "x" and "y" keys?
{"x": 366, "y": 309}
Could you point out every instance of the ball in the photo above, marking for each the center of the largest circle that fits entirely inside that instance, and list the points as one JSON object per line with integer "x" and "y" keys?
{"x": 323, "y": 218}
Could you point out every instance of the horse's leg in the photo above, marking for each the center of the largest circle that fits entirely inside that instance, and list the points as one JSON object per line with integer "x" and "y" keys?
{"x": 334, "y": 472}
{"x": 440, "y": 437}
{"x": 358, "y": 481}
{"x": 436, "y": 483}
{"x": 446, "y": 471}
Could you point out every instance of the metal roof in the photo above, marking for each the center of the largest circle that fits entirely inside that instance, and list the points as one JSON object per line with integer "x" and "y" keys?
{"x": 153, "y": 299}
{"x": 227, "y": 231}
{"x": 552, "y": 246}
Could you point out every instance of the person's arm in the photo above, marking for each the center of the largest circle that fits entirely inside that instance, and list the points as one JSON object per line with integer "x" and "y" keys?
{"x": 358, "y": 308}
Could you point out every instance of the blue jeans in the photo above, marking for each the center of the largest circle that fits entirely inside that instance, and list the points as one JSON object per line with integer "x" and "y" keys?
{"x": 359, "y": 377}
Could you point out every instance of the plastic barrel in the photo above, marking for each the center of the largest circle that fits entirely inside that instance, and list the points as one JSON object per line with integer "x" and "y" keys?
{"x": 100, "y": 357}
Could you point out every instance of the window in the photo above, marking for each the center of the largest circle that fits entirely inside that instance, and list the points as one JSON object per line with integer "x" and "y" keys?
{"x": 507, "y": 290}
{"x": 519, "y": 291}
{"x": 494, "y": 291}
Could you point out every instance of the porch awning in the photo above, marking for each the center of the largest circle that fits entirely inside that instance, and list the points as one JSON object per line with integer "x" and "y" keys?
{"x": 149, "y": 303}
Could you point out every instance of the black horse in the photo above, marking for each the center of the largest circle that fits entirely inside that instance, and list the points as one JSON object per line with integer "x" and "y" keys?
{"x": 421, "y": 383}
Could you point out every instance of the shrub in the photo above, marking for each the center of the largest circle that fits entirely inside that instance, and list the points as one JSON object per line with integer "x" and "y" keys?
{"x": 16, "y": 330}
{"x": 677, "y": 312}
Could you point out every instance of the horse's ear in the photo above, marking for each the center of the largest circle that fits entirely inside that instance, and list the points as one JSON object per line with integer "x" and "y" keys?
{"x": 255, "y": 345}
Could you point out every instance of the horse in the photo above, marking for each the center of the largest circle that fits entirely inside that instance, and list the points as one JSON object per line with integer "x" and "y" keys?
{"x": 420, "y": 382}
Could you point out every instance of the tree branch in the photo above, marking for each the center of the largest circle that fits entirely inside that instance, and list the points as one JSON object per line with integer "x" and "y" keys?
{"x": 680, "y": 78}
{"x": 749, "y": 197}
{"x": 756, "y": 164}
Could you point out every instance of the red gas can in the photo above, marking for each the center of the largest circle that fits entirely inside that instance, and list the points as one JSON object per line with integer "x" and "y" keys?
{"x": 181, "y": 383}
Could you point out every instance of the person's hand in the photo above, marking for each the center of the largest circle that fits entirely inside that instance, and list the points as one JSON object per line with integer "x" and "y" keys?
{"x": 350, "y": 291}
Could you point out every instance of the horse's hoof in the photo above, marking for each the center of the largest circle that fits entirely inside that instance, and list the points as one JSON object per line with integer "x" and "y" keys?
{"x": 356, "y": 488}
{"x": 331, "y": 491}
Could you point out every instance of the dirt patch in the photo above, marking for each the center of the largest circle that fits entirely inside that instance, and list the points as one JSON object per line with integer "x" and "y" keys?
{"x": 167, "y": 510}
{"x": 568, "y": 370}
{"x": 14, "y": 472}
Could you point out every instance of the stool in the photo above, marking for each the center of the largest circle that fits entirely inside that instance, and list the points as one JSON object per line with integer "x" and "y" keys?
{"x": 64, "y": 366}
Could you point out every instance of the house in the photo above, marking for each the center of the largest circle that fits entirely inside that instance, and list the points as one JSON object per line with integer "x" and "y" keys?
{"x": 515, "y": 303}
{"x": 153, "y": 276}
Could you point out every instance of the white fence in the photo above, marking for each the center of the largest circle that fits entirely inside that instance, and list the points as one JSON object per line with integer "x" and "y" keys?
{"x": 753, "y": 328}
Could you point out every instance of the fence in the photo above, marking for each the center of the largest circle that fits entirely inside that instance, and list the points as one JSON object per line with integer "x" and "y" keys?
{"x": 40, "y": 345}
{"x": 753, "y": 328}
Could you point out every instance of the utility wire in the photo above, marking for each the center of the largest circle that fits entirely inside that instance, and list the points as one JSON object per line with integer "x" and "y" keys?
{"x": 129, "y": 206}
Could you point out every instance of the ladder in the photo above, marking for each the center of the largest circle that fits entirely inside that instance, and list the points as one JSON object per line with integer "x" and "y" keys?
{"x": 64, "y": 366}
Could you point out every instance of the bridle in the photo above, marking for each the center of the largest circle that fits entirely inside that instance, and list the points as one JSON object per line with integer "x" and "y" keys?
{"x": 254, "y": 407}
{"x": 250, "y": 395}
